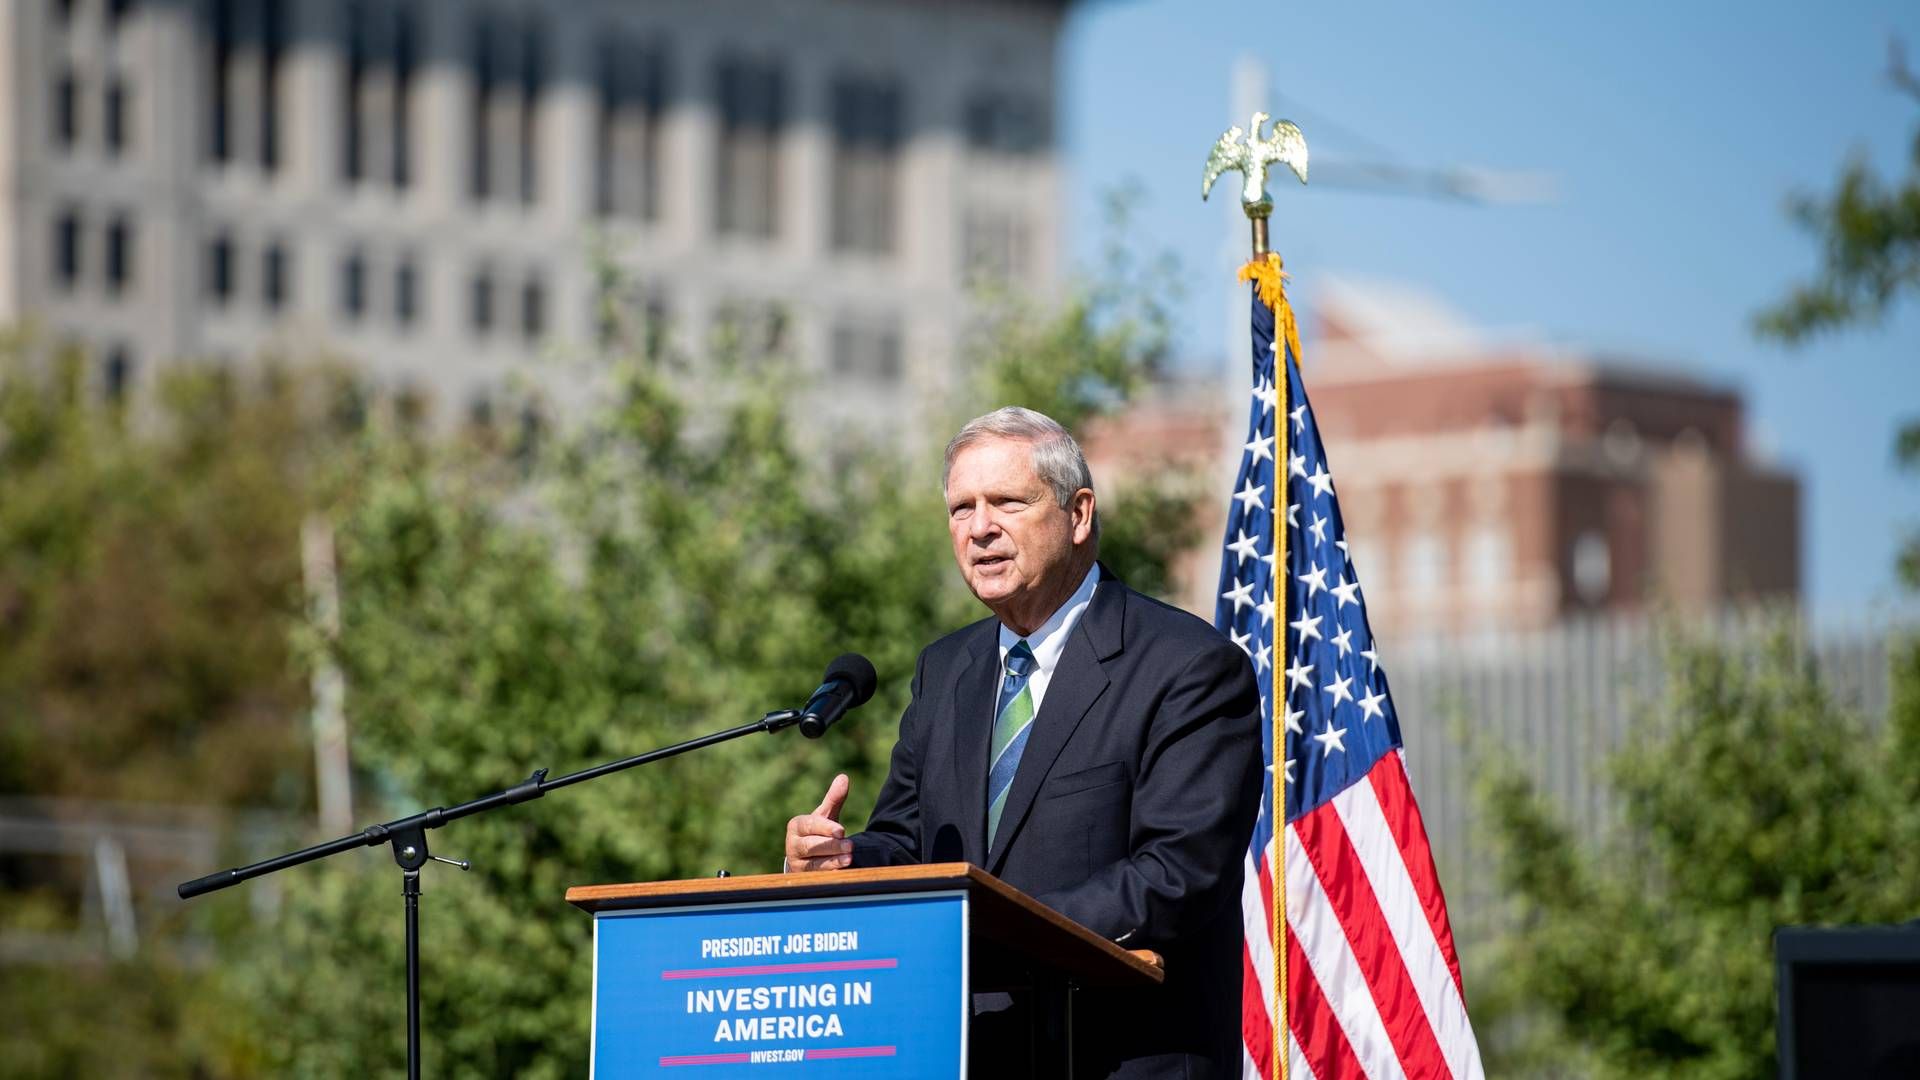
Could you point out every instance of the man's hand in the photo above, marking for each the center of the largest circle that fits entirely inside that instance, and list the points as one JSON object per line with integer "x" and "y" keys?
{"x": 817, "y": 841}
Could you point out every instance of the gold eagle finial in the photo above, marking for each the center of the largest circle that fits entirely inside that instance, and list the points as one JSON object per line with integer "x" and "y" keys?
{"x": 1251, "y": 153}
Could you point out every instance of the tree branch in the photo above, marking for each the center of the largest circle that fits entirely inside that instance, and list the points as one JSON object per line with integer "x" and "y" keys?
{"x": 1898, "y": 72}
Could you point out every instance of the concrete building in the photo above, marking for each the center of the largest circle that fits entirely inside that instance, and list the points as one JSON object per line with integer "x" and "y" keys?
{"x": 422, "y": 185}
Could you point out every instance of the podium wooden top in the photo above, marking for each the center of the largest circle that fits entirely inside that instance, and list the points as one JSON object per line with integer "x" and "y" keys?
{"x": 1002, "y": 915}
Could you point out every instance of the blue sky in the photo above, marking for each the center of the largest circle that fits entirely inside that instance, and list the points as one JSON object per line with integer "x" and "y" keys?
{"x": 1675, "y": 133}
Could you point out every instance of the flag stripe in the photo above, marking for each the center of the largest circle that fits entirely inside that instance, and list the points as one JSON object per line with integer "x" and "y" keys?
{"x": 1316, "y": 939}
{"x": 1337, "y": 864}
{"x": 1365, "y": 821}
{"x": 1319, "y": 1039}
{"x": 1410, "y": 835}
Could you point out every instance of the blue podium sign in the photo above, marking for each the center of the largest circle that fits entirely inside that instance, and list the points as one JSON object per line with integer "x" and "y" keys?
{"x": 854, "y": 987}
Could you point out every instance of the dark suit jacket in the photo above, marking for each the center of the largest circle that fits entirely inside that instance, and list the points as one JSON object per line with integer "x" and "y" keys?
{"x": 1130, "y": 812}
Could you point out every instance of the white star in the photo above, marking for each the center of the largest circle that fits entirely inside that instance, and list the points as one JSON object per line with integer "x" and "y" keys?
{"x": 1266, "y": 395}
{"x": 1297, "y": 674}
{"x": 1341, "y": 689}
{"x": 1241, "y": 595}
{"x": 1294, "y": 716}
{"x": 1290, "y": 771}
{"x": 1308, "y": 627}
{"x": 1342, "y": 545}
{"x": 1266, "y": 608}
{"x": 1262, "y": 657}
{"x": 1293, "y": 515}
{"x": 1249, "y": 495}
{"x": 1345, "y": 591}
{"x": 1370, "y": 704}
{"x": 1296, "y": 465}
{"x": 1321, "y": 480}
{"x": 1240, "y": 639}
{"x": 1316, "y": 581}
{"x": 1344, "y": 640}
{"x": 1299, "y": 417}
{"x": 1373, "y": 660}
{"x": 1318, "y": 529}
{"x": 1260, "y": 449}
{"x": 1245, "y": 547}
{"x": 1329, "y": 740}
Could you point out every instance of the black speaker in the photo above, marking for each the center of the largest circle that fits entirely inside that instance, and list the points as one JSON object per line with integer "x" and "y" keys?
{"x": 1849, "y": 1001}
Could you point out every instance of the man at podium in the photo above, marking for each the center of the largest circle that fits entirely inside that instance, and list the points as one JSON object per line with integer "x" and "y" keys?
{"x": 1088, "y": 745}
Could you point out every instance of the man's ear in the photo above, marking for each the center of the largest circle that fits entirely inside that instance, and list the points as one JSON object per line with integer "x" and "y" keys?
{"x": 1082, "y": 515}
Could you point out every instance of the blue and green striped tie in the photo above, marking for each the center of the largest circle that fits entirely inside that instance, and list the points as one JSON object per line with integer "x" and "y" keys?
{"x": 1010, "y": 728}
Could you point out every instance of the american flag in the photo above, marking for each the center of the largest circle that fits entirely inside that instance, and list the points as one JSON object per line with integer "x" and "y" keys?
{"x": 1371, "y": 977}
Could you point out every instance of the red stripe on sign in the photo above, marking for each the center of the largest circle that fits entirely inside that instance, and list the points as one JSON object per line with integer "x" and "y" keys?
{"x": 705, "y": 1059}
{"x": 1324, "y": 837}
{"x": 779, "y": 969}
{"x": 1395, "y": 792}
{"x": 850, "y": 1052}
{"x": 1317, "y": 1035}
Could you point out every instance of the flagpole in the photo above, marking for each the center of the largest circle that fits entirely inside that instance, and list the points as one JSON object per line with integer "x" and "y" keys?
{"x": 1250, "y": 153}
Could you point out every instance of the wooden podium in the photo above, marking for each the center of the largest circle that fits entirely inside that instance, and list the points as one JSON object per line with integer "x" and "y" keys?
{"x": 854, "y": 972}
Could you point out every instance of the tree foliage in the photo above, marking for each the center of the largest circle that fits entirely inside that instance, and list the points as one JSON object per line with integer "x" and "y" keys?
{"x": 673, "y": 564}
{"x": 1869, "y": 235}
{"x": 1749, "y": 800}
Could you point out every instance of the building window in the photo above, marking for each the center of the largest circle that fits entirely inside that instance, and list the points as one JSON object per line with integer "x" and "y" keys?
{"x": 480, "y": 306}
{"x": 1489, "y": 558}
{"x": 66, "y": 110}
{"x": 1423, "y": 562}
{"x": 632, "y": 80}
{"x": 116, "y": 115}
{"x": 116, "y": 374}
{"x": 406, "y": 292}
{"x": 274, "y": 277}
{"x": 751, "y": 114}
{"x": 533, "y": 55}
{"x": 749, "y": 331}
{"x": 406, "y": 51}
{"x": 533, "y": 308}
{"x": 866, "y": 162}
{"x": 353, "y": 286}
{"x": 1001, "y": 123}
{"x": 225, "y": 38}
{"x": 220, "y": 285}
{"x": 508, "y": 72}
{"x": 120, "y": 254}
{"x": 66, "y": 249}
{"x": 867, "y": 351}
{"x": 994, "y": 244}
{"x": 1592, "y": 567}
{"x": 359, "y": 29}
{"x": 273, "y": 47}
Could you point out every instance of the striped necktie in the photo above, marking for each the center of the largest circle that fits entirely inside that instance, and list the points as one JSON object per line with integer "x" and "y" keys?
{"x": 1010, "y": 727}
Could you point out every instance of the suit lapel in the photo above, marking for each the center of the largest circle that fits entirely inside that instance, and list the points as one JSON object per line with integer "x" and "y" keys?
{"x": 975, "y": 688}
{"x": 1076, "y": 684}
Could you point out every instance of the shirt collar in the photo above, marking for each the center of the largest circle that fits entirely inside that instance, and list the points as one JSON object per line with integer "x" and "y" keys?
{"x": 1050, "y": 641}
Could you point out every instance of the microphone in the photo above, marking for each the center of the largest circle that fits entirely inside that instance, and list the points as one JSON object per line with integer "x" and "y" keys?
{"x": 848, "y": 683}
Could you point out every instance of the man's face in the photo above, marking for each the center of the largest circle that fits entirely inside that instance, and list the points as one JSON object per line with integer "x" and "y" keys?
{"x": 1014, "y": 542}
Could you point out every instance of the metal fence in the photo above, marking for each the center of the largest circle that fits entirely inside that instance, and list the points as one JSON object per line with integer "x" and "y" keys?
{"x": 1560, "y": 702}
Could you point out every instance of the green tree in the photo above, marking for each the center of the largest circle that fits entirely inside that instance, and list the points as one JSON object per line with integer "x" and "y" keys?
{"x": 675, "y": 563}
{"x": 1749, "y": 800}
{"x": 1869, "y": 234}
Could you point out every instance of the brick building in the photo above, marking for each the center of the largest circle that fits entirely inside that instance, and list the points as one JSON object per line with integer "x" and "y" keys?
{"x": 1493, "y": 486}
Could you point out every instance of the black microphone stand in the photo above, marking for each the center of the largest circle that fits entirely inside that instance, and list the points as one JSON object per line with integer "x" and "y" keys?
{"x": 408, "y": 838}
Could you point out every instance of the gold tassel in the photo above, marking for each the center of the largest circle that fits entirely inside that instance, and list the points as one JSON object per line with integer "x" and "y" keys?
{"x": 1272, "y": 282}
